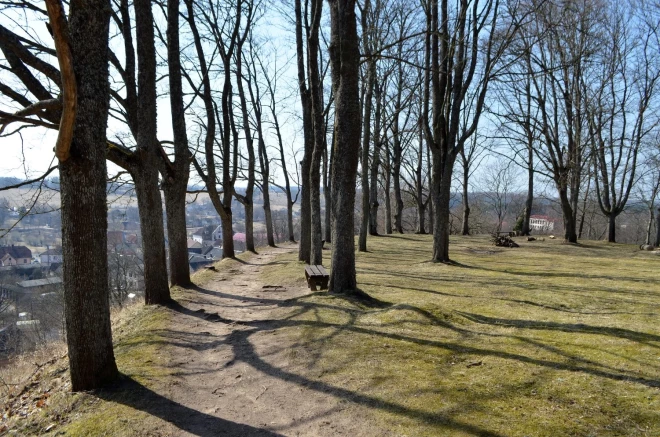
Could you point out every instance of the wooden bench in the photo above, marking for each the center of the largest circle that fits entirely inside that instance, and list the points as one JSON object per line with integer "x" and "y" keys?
{"x": 316, "y": 275}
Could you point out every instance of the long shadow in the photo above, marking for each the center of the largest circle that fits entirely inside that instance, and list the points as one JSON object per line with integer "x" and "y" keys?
{"x": 627, "y": 334}
{"x": 133, "y": 394}
{"x": 244, "y": 351}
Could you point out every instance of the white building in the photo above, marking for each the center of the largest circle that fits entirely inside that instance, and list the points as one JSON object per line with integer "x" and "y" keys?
{"x": 541, "y": 223}
{"x": 51, "y": 256}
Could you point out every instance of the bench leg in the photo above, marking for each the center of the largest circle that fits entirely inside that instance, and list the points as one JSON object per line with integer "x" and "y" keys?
{"x": 324, "y": 284}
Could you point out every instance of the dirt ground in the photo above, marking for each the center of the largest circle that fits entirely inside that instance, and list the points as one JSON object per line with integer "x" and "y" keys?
{"x": 235, "y": 375}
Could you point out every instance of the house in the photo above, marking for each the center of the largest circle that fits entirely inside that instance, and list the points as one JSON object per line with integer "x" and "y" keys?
{"x": 217, "y": 233}
{"x": 194, "y": 246}
{"x": 205, "y": 235}
{"x": 197, "y": 261}
{"x": 541, "y": 223}
{"x": 213, "y": 253}
{"x": 15, "y": 255}
{"x": 51, "y": 256}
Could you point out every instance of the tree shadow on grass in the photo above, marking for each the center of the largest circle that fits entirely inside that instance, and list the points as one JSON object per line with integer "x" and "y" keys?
{"x": 135, "y": 395}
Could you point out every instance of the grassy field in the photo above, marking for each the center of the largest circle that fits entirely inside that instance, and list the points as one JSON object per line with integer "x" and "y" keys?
{"x": 544, "y": 340}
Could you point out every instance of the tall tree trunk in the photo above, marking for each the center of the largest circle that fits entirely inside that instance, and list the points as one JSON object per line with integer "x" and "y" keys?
{"x": 529, "y": 201}
{"x": 396, "y": 178}
{"x": 388, "y": 196}
{"x": 328, "y": 189}
{"x": 429, "y": 170}
{"x": 248, "y": 199}
{"x": 175, "y": 186}
{"x": 306, "y": 102}
{"x": 327, "y": 228}
{"x": 318, "y": 130}
{"x": 150, "y": 204}
{"x": 84, "y": 208}
{"x": 366, "y": 124}
{"x": 345, "y": 60}
{"x": 375, "y": 165}
{"x": 570, "y": 235}
{"x": 656, "y": 243}
{"x": 465, "y": 225}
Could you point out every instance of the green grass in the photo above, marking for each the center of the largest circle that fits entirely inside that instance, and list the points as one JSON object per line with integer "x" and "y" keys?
{"x": 545, "y": 340}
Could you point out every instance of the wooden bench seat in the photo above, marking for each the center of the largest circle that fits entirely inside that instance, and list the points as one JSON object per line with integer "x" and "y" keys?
{"x": 316, "y": 275}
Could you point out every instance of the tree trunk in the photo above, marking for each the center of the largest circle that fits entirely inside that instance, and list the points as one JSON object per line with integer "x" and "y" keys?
{"x": 529, "y": 201}
{"x": 656, "y": 243}
{"x": 388, "y": 205}
{"x": 611, "y": 227}
{"x": 175, "y": 210}
{"x": 345, "y": 60}
{"x": 305, "y": 99}
{"x": 248, "y": 199}
{"x": 326, "y": 190}
{"x": 318, "y": 130}
{"x": 396, "y": 178}
{"x": 441, "y": 197}
{"x": 150, "y": 204}
{"x": 84, "y": 208}
{"x": 465, "y": 225}
{"x": 366, "y": 124}
{"x": 570, "y": 235}
{"x": 150, "y": 207}
{"x": 375, "y": 165}
{"x": 175, "y": 187}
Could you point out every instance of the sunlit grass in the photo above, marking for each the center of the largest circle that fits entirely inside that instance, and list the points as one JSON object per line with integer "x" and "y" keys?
{"x": 544, "y": 340}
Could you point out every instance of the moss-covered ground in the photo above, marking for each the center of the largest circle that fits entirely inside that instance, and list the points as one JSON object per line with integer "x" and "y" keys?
{"x": 547, "y": 339}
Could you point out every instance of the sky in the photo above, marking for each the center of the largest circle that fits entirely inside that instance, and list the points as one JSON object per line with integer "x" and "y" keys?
{"x": 30, "y": 153}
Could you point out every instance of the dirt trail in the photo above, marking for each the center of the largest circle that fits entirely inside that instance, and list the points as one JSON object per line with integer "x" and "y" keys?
{"x": 236, "y": 376}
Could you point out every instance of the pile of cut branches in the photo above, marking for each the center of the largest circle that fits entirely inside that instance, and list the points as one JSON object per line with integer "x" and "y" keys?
{"x": 503, "y": 241}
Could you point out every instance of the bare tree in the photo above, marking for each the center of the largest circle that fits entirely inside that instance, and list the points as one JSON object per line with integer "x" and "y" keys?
{"x": 345, "y": 60}
{"x": 619, "y": 106}
{"x": 463, "y": 47}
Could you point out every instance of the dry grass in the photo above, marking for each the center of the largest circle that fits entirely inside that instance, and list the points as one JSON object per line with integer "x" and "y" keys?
{"x": 545, "y": 340}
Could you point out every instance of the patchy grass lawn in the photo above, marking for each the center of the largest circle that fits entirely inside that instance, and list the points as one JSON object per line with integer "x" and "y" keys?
{"x": 545, "y": 340}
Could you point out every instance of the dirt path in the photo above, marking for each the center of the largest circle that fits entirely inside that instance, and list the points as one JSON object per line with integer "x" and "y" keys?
{"x": 235, "y": 375}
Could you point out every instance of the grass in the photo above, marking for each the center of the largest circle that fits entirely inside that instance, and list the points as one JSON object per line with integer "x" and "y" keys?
{"x": 545, "y": 340}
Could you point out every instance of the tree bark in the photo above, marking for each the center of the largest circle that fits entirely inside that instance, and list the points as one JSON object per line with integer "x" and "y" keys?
{"x": 465, "y": 225}
{"x": 318, "y": 130}
{"x": 366, "y": 132}
{"x": 248, "y": 199}
{"x": 529, "y": 201}
{"x": 175, "y": 186}
{"x": 150, "y": 204}
{"x": 570, "y": 235}
{"x": 306, "y": 102}
{"x": 84, "y": 209}
{"x": 345, "y": 59}
{"x": 611, "y": 228}
{"x": 375, "y": 164}
{"x": 656, "y": 243}
{"x": 388, "y": 195}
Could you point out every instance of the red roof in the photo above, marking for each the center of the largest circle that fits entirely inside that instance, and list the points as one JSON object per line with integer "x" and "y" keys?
{"x": 239, "y": 237}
